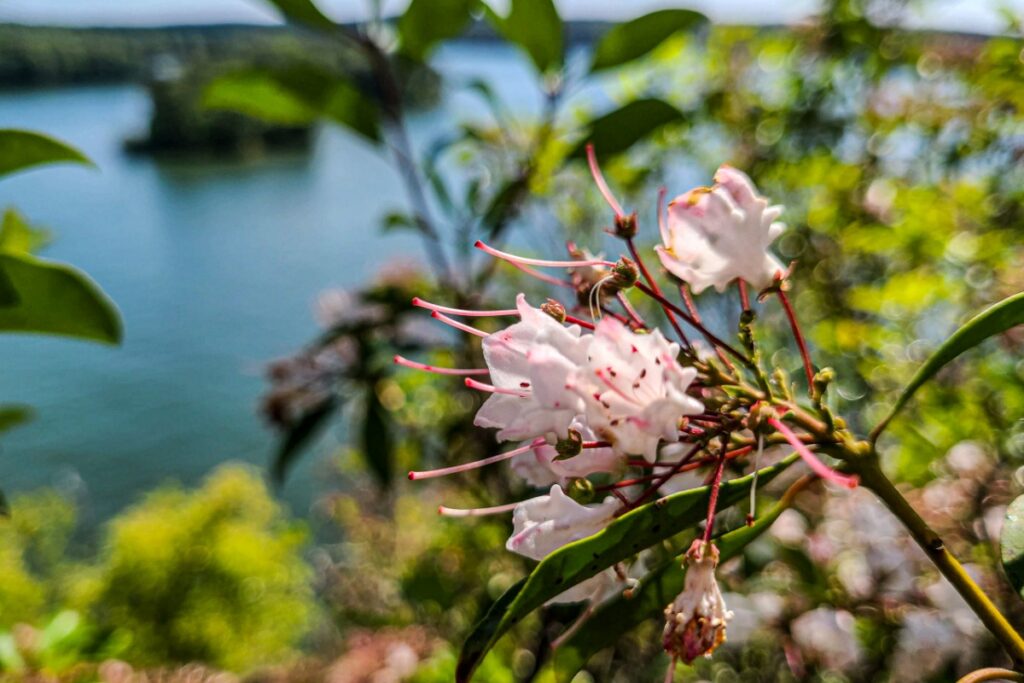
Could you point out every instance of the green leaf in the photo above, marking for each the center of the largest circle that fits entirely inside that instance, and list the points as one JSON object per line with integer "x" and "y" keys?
{"x": 257, "y": 94}
{"x": 629, "y": 534}
{"x": 426, "y": 23}
{"x": 295, "y": 95}
{"x": 1011, "y": 542}
{"x": 18, "y": 236}
{"x": 533, "y": 25}
{"x": 301, "y": 434}
{"x": 304, "y": 12}
{"x": 377, "y": 441}
{"x": 14, "y": 415}
{"x": 22, "y": 149}
{"x": 55, "y": 298}
{"x": 617, "y": 131}
{"x": 661, "y": 585}
{"x": 992, "y": 321}
{"x": 626, "y": 42}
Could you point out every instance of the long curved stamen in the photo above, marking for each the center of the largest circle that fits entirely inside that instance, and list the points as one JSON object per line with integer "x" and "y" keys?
{"x": 475, "y": 512}
{"x": 816, "y": 465}
{"x": 512, "y": 258}
{"x": 595, "y": 171}
{"x": 666, "y": 239}
{"x": 415, "y": 365}
{"x": 476, "y": 464}
{"x": 457, "y": 325}
{"x": 490, "y": 388}
{"x": 543, "y": 277}
{"x": 469, "y": 313}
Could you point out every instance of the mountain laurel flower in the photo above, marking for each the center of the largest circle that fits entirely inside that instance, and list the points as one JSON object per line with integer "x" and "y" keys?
{"x": 718, "y": 234}
{"x": 635, "y": 389}
{"x": 544, "y": 524}
{"x": 529, "y": 364}
{"x": 541, "y": 466}
{"x": 695, "y": 621}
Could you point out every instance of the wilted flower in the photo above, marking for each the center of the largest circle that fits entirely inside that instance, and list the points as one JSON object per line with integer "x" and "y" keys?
{"x": 719, "y": 234}
{"x": 635, "y": 389}
{"x": 695, "y": 620}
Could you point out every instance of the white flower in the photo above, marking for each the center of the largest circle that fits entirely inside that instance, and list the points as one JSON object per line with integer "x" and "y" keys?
{"x": 635, "y": 389}
{"x": 716, "y": 235}
{"x": 544, "y": 524}
{"x": 695, "y": 621}
{"x": 529, "y": 364}
{"x": 540, "y": 467}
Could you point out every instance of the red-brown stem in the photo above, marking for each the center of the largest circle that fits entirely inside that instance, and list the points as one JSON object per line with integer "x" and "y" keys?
{"x": 612, "y": 314}
{"x": 710, "y": 336}
{"x": 654, "y": 286}
{"x": 716, "y": 484}
{"x": 798, "y": 335}
{"x": 577, "y": 321}
{"x": 744, "y": 297}
{"x": 630, "y": 311}
{"x": 653, "y": 488}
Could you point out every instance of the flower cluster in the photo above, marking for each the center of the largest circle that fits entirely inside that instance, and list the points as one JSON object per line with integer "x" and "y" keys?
{"x": 610, "y": 400}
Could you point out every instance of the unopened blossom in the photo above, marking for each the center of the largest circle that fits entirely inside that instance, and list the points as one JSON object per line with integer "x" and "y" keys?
{"x": 695, "y": 621}
{"x": 719, "y": 234}
{"x": 529, "y": 363}
{"x": 635, "y": 389}
{"x": 542, "y": 466}
{"x": 544, "y": 524}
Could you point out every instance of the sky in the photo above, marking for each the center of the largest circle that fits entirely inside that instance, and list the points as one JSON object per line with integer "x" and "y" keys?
{"x": 966, "y": 15}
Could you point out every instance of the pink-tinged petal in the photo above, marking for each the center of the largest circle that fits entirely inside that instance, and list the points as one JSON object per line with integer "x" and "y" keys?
{"x": 738, "y": 184}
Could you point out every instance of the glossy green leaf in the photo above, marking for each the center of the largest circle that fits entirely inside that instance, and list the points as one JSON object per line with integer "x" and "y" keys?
{"x": 626, "y": 536}
{"x": 18, "y": 236}
{"x": 661, "y": 585}
{"x": 1011, "y": 544}
{"x": 54, "y": 298}
{"x": 22, "y": 149}
{"x": 299, "y": 437}
{"x": 426, "y": 23}
{"x": 992, "y": 321}
{"x": 377, "y": 439}
{"x": 304, "y": 12}
{"x": 295, "y": 95}
{"x": 617, "y": 131}
{"x": 633, "y": 39}
{"x": 533, "y": 25}
{"x": 14, "y": 415}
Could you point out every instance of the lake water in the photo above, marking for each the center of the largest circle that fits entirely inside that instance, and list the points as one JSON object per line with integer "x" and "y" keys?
{"x": 214, "y": 267}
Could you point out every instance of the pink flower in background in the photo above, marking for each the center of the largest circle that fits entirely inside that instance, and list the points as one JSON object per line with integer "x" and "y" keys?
{"x": 635, "y": 389}
{"x": 719, "y": 234}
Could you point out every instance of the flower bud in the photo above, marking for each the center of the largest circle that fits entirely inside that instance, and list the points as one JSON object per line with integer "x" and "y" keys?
{"x": 695, "y": 620}
{"x": 582, "y": 490}
{"x": 625, "y": 226}
{"x": 821, "y": 381}
{"x": 624, "y": 273}
{"x": 554, "y": 309}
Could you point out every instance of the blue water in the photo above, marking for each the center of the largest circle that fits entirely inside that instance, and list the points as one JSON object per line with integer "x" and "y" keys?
{"x": 214, "y": 266}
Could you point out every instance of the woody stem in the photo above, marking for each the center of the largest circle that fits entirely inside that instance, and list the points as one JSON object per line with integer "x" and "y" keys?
{"x": 798, "y": 335}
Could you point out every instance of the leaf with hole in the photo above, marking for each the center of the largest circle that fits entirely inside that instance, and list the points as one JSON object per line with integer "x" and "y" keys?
{"x": 633, "y": 39}
{"x": 623, "y": 538}
{"x": 55, "y": 298}
{"x": 617, "y": 131}
{"x": 23, "y": 149}
{"x": 994, "y": 320}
